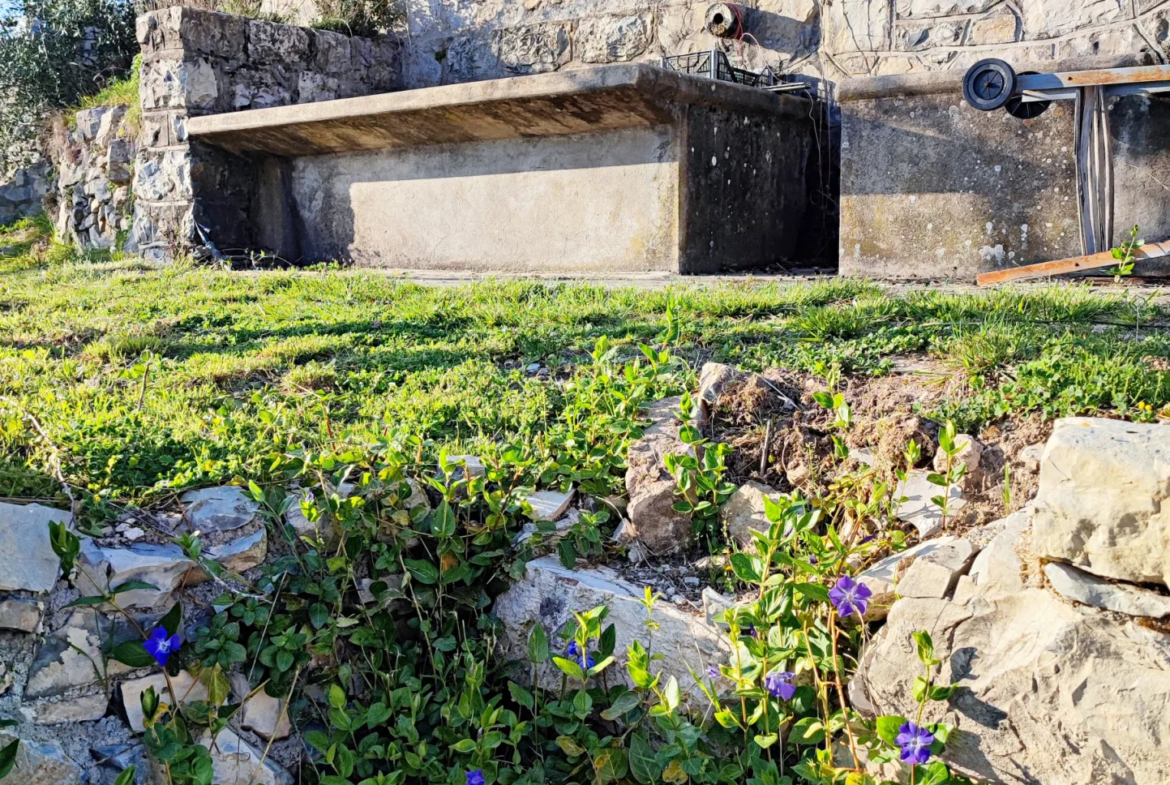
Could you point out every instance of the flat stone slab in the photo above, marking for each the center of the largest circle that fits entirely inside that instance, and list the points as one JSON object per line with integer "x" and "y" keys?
{"x": 218, "y": 509}
{"x": 1088, "y": 589}
{"x": 919, "y": 510}
{"x": 27, "y": 561}
{"x": 583, "y": 100}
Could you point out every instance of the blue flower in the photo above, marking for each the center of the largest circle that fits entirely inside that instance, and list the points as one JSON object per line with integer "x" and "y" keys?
{"x": 849, "y": 596}
{"x": 575, "y": 652}
{"x": 779, "y": 685}
{"x": 475, "y": 777}
{"x": 161, "y": 646}
{"x": 713, "y": 673}
{"x": 915, "y": 743}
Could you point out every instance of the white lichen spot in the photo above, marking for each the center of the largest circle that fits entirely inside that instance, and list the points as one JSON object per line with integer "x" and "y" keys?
{"x": 714, "y": 160}
{"x": 989, "y": 254}
{"x": 989, "y": 227}
{"x": 940, "y": 252}
{"x": 913, "y": 198}
{"x": 857, "y": 251}
{"x": 998, "y": 168}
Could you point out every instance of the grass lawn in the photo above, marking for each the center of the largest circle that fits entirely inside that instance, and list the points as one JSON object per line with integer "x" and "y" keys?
{"x": 133, "y": 381}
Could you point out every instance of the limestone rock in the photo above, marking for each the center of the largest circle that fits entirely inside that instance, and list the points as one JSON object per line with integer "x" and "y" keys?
{"x": 918, "y": 509}
{"x": 549, "y": 505}
{"x": 1088, "y": 589}
{"x": 19, "y": 614}
{"x": 970, "y": 451}
{"x": 612, "y": 39}
{"x": 187, "y": 689}
{"x": 65, "y": 660}
{"x": 85, "y": 708}
{"x": 235, "y": 762}
{"x": 885, "y": 577}
{"x": 1049, "y": 691}
{"x": 163, "y": 566}
{"x": 548, "y": 594}
{"x": 475, "y": 467}
{"x": 243, "y": 553}
{"x": 41, "y": 763}
{"x": 27, "y": 561}
{"x": 653, "y": 520}
{"x": 218, "y": 509}
{"x": 743, "y": 513}
{"x": 935, "y": 572}
{"x": 1102, "y": 503}
{"x": 265, "y": 716}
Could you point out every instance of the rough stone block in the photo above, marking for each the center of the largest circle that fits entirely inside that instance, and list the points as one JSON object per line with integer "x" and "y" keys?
{"x": 611, "y": 39}
{"x": 27, "y": 561}
{"x": 20, "y": 614}
{"x": 1104, "y": 499}
{"x": 271, "y": 42}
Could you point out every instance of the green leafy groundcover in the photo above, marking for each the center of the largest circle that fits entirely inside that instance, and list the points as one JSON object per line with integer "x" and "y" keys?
{"x": 127, "y": 383}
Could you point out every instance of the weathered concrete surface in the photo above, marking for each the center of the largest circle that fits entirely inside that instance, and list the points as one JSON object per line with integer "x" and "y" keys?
{"x": 931, "y": 188}
{"x": 613, "y": 168}
{"x": 578, "y": 203}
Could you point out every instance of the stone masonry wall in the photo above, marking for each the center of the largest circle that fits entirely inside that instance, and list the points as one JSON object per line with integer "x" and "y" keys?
{"x": 95, "y": 164}
{"x": 454, "y": 41}
{"x": 200, "y": 62}
{"x": 23, "y": 191}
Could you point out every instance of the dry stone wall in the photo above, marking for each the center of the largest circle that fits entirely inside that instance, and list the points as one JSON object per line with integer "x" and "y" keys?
{"x": 450, "y": 41}
{"x": 22, "y": 192}
{"x": 200, "y": 62}
{"x": 95, "y": 164}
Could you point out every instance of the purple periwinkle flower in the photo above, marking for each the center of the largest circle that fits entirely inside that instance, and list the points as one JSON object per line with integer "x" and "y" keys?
{"x": 713, "y": 673}
{"x": 583, "y": 657}
{"x": 849, "y": 596}
{"x": 915, "y": 743}
{"x": 779, "y": 685}
{"x": 161, "y": 646}
{"x": 475, "y": 777}
{"x": 751, "y": 631}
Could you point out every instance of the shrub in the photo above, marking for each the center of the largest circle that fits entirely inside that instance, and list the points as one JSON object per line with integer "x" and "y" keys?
{"x": 55, "y": 52}
{"x": 358, "y": 17}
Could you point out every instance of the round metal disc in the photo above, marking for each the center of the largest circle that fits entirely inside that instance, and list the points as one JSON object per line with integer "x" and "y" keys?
{"x": 989, "y": 84}
{"x": 1025, "y": 111}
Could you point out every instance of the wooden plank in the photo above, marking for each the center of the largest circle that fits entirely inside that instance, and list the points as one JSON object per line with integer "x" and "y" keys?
{"x": 1100, "y": 76}
{"x": 1077, "y": 263}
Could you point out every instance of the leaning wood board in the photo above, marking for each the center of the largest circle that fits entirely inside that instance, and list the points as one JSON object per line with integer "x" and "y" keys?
{"x": 1075, "y": 264}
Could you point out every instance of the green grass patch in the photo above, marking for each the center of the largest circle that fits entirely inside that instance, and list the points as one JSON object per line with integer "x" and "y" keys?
{"x": 240, "y": 366}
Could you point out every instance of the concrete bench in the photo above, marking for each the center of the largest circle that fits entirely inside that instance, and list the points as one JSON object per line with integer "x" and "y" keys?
{"x": 613, "y": 168}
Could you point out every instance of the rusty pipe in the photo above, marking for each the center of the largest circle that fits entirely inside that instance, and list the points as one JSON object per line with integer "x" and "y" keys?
{"x": 725, "y": 20}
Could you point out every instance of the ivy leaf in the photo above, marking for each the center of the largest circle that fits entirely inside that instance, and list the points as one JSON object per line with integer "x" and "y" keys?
{"x": 173, "y": 620}
{"x": 813, "y": 591}
{"x": 377, "y": 715}
{"x": 807, "y": 731}
{"x": 887, "y": 728}
{"x": 567, "y": 553}
{"x": 935, "y": 773}
{"x": 464, "y": 746}
{"x": 8, "y": 758}
{"x": 521, "y": 695}
{"x": 133, "y": 585}
{"x": 675, "y": 773}
{"x": 624, "y": 704}
{"x": 644, "y": 764}
{"x": 538, "y": 645}
{"x": 611, "y": 764}
{"x": 423, "y": 571}
{"x": 569, "y": 746}
{"x": 85, "y": 601}
{"x": 284, "y": 660}
{"x": 569, "y": 668}
{"x": 318, "y": 615}
{"x": 745, "y": 568}
{"x": 132, "y": 653}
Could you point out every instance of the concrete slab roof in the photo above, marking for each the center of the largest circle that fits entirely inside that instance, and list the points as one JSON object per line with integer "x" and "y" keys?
{"x": 566, "y": 102}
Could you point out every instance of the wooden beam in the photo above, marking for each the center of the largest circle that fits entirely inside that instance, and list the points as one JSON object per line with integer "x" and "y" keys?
{"x": 1075, "y": 264}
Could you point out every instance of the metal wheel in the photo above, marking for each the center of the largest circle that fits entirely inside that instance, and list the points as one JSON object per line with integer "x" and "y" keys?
{"x": 1025, "y": 111}
{"x": 989, "y": 84}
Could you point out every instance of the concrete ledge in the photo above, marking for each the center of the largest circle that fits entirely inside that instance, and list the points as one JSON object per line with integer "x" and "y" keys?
{"x": 570, "y": 102}
{"x": 938, "y": 82}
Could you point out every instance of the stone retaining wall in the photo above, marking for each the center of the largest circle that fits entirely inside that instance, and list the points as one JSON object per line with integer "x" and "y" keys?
{"x": 95, "y": 164}
{"x": 22, "y": 193}
{"x": 200, "y": 62}
{"x": 453, "y": 41}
